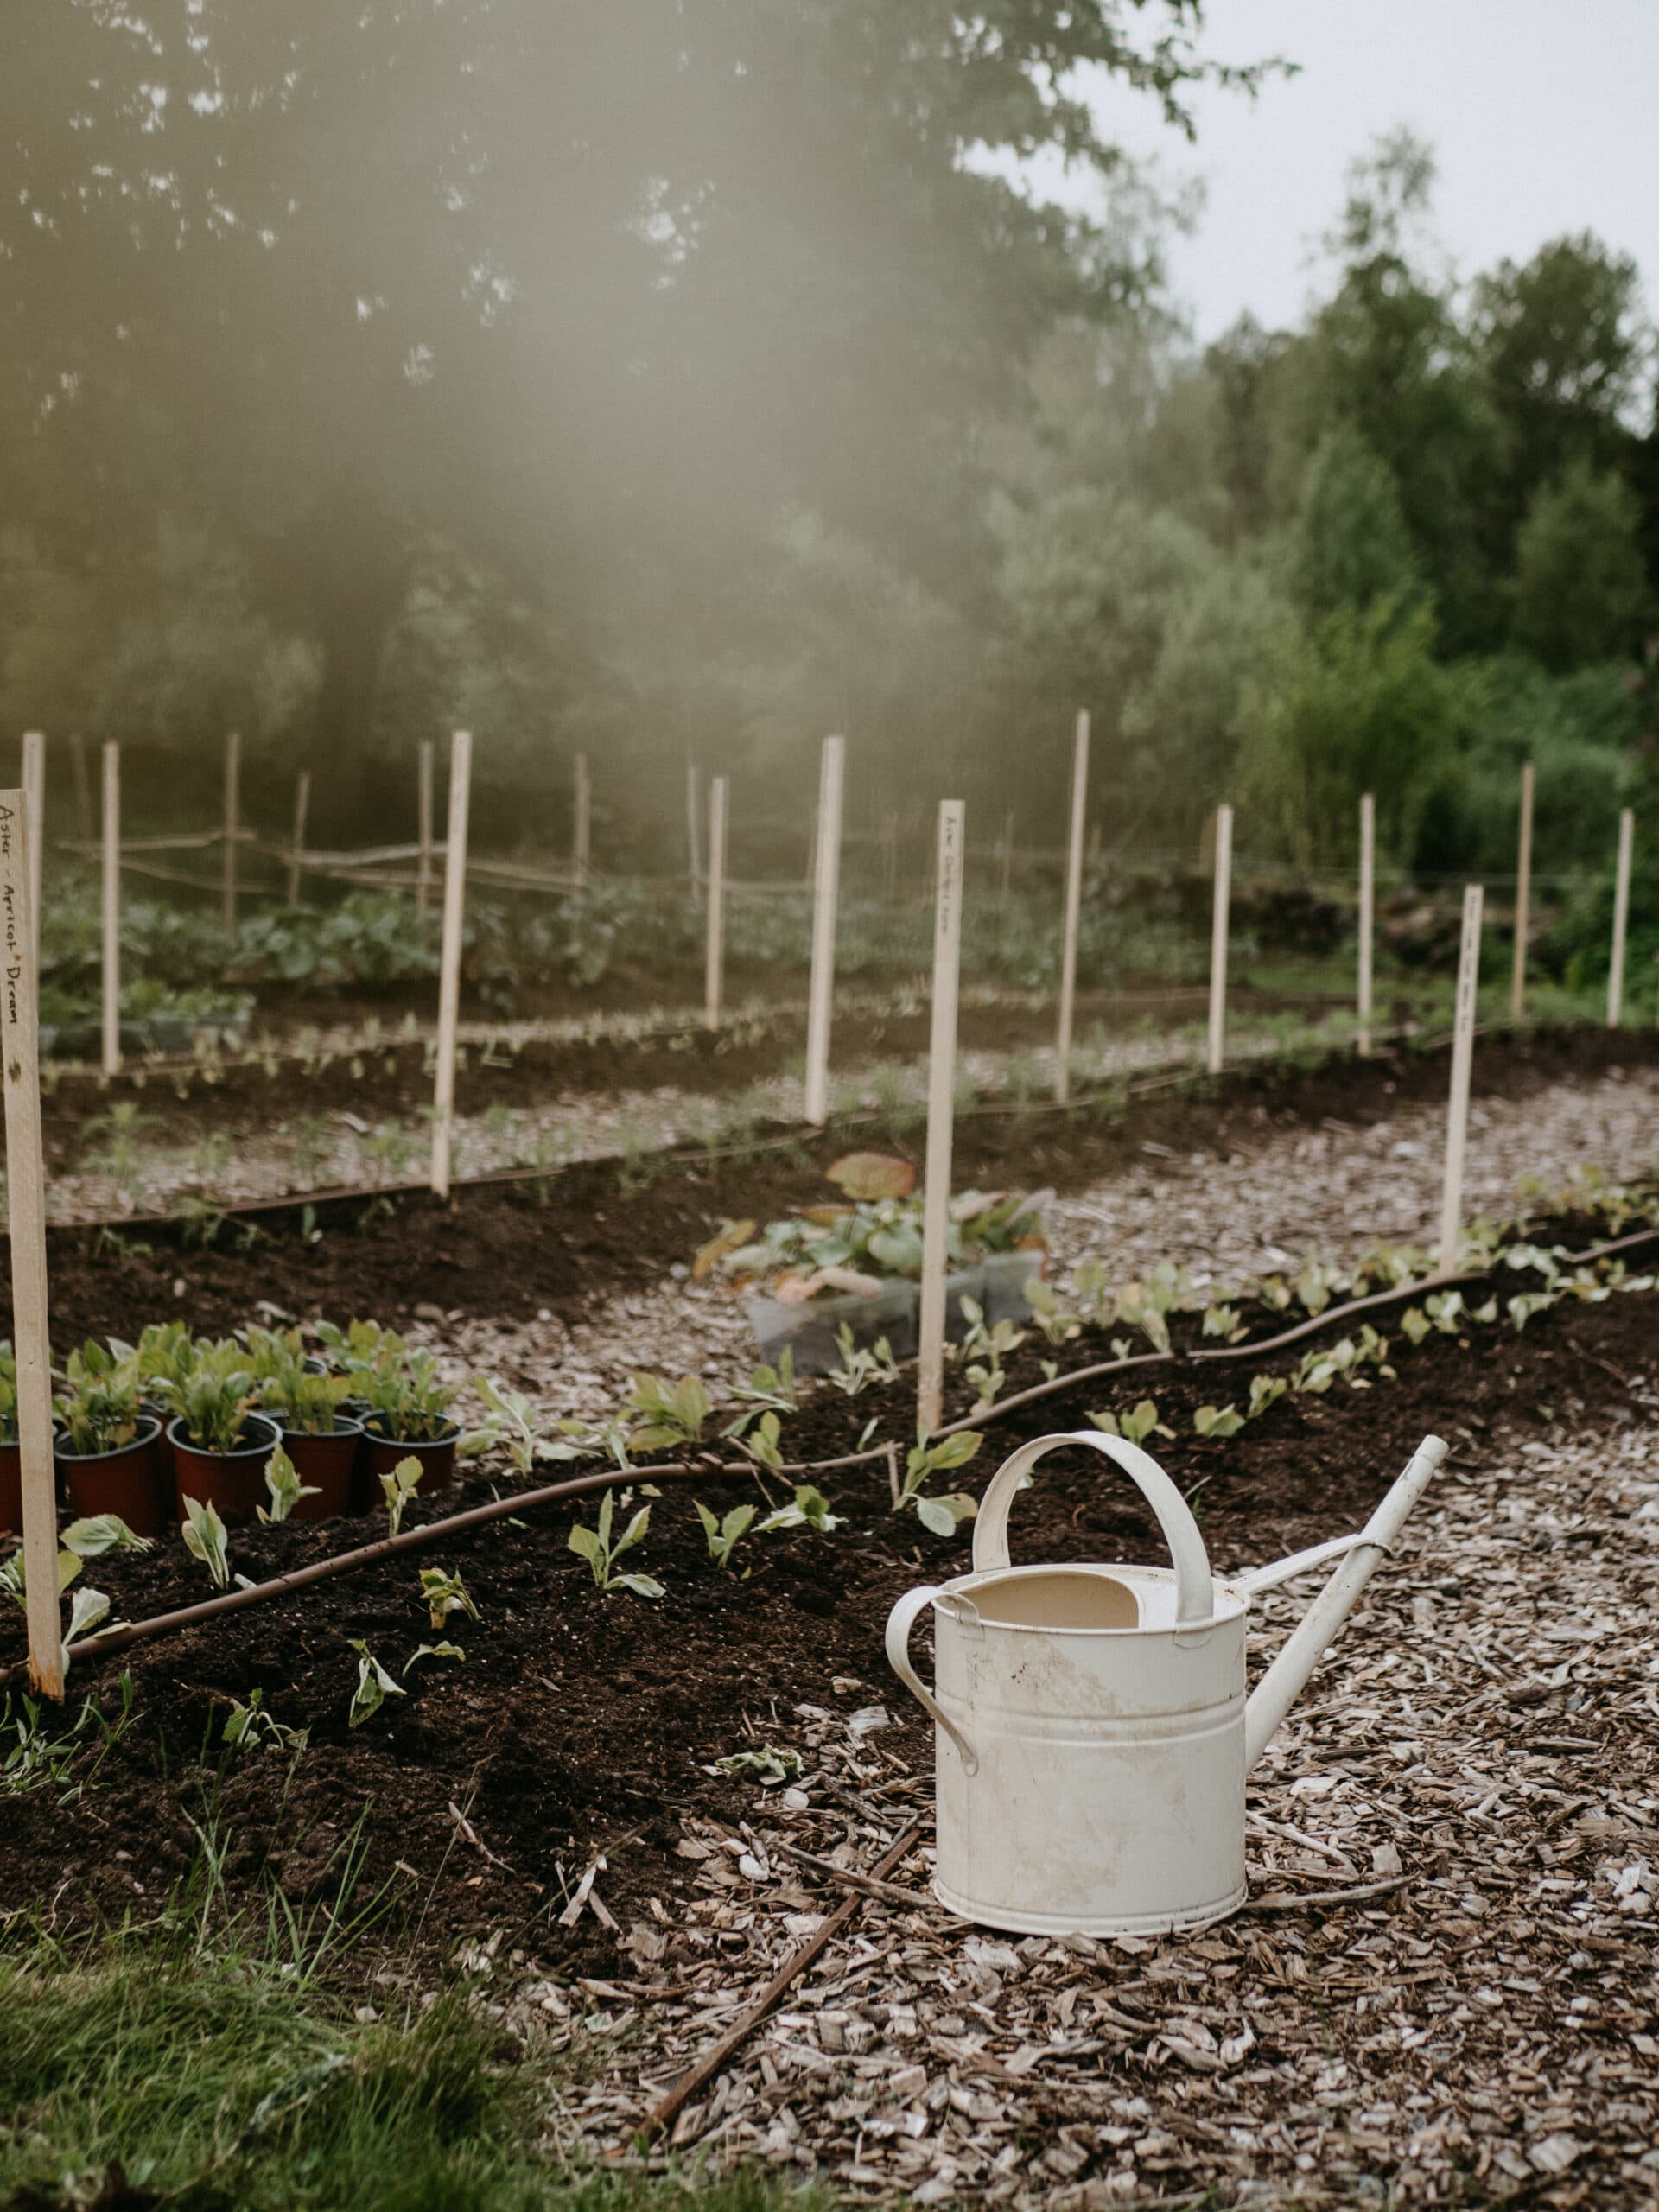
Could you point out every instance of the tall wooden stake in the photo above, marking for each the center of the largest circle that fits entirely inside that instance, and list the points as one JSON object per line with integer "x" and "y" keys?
{"x": 827, "y": 873}
{"x": 1463, "y": 1055}
{"x": 423, "y": 825}
{"x": 1522, "y": 898}
{"x": 83, "y": 789}
{"x": 1367, "y": 915}
{"x": 301, "y": 808}
{"x": 941, "y": 1107}
{"x": 582, "y": 839}
{"x": 1073, "y": 912}
{"x": 1621, "y": 918}
{"x": 1006, "y": 883}
{"x": 454, "y": 910}
{"x": 111, "y": 909}
{"x": 35, "y": 801}
{"x": 233, "y": 822}
{"x": 714, "y": 974}
{"x": 693, "y": 830}
{"x": 1219, "y": 936}
{"x": 26, "y": 1202}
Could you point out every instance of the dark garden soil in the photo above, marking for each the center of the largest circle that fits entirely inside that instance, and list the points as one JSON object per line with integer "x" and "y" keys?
{"x": 386, "y": 1075}
{"x": 583, "y": 1723}
{"x": 514, "y": 1249}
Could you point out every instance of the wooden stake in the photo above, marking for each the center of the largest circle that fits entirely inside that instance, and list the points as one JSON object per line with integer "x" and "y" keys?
{"x": 1522, "y": 898}
{"x": 1219, "y": 935}
{"x": 83, "y": 789}
{"x": 423, "y": 827}
{"x": 111, "y": 909}
{"x": 1367, "y": 915}
{"x": 941, "y": 1109}
{"x": 1462, "y": 1054}
{"x": 693, "y": 831}
{"x": 233, "y": 815}
{"x": 301, "y": 808}
{"x": 1621, "y": 918}
{"x": 26, "y": 1195}
{"x": 582, "y": 841}
{"x": 454, "y": 910}
{"x": 714, "y": 975}
{"x": 826, "y": 874}
{"x": 34, "y": 802}
{"x": 1073, "y": 912}
{"x": 1007, "y": 882}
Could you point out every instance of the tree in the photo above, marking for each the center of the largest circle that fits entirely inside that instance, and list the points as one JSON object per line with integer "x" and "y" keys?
{"x": 1349, "y": 545}
{"x": 1581, "y": 589}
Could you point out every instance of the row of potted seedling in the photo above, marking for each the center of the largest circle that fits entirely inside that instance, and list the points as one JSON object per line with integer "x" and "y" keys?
{"x": 139, "y": 1426}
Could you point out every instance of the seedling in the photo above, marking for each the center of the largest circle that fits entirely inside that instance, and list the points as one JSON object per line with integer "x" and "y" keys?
{"x": 99, "y": 1409}
{"x": 249, "y": 1727}
{"x": 204, "y": 1539}
{"x": 374, "y": 1685}
{"x": 433, "y": 1651}
{"x": 444, "y": 1593}
{"x": 1265, "y": 1390}
{"x": 514, "y": 1420}
{"x": 601, "y": 1555}
{"x": 37, "y": 1756}
{"x": 939, "y": 1514}
{"x": 1217, "y": 1420}
{"x": 215, "y": 1397}
{"x": 99, "y": 1533}
{"x": 285, "y": 1487}
{"x": 407, "y": 1399}
{"x": 723, "y": 1535}
{"x": 671, "y": 1416}
{"x": 1135, "y": 1426}
{"x": 1224, "y": 1321}
{"x": 762, "y": 1443}
{"x": 399, "y": 1486}
{"x": 987, "y": 1373}
{"x": 811, "y": 1509}
{"x": 862, "y": 1364}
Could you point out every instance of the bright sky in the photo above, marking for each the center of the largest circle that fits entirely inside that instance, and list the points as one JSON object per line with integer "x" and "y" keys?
{"x": 1540, "y": 113}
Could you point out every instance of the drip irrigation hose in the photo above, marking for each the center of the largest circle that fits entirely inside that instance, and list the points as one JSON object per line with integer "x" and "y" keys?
{"x": 709, "y": 1469}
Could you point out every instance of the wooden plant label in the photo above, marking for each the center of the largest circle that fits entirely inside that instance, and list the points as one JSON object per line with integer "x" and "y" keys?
{"x": 1073, "y": 912}
{"x": 1219, "y": 936}
{"x": 35, "y": 807}
{"x": 581, "y": 840}
{"x": 693, "y": 814}
{"x": 715, "y": 974}
{"x": 1463, "y": 1055}
{"x": 454, "y": 911}
{"x": 111, "y": 909}
{"x": 297, "y": 850}
{"x": 26, "y": 1212}
{"x": 232, "y": 824}
{"x": 423, "y": 827}
{"x": 941, "y": 1108}
{"x": 1522, "y": 898}
{"x": 1367, "y": 916}
{"x": 1621, "y": 918}
{"x": 827, "y": 875}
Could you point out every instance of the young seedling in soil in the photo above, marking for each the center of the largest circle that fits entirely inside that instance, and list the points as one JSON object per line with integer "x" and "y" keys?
{"x": 399, "y": 1486}
{"x": 1135, "y": 1426}
{"x": 768, "y": 1765}
{"x": 940, "y": 1515}
{"x": 671, "y": 1417}
{"x": 204, "y": 1539}
{"x": 444, "y": 1593}
{"x": 250, "y": 1728}
{"x": 1220, "y": 1421}
{"x": 862, "y": 1364}
{"x": 374, "y": 1685}
{"x": 285, "y": 1484}
{"x": 810, "y": 1509}
{"x": 433, "y": 1651}
{"x": 724, "y": 1535}
{"x": 601, "y": 1555}
{"x": 514, "y": 1423}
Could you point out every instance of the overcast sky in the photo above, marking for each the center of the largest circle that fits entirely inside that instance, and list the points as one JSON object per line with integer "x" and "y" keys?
{"x": 1542, "y": 114}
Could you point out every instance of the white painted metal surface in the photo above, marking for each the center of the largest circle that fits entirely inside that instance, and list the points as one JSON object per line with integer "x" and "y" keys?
{"x": 1093, "y": 1734}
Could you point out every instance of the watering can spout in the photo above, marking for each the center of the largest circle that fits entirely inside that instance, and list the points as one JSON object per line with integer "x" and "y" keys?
{"x": 1357, "y": 1557}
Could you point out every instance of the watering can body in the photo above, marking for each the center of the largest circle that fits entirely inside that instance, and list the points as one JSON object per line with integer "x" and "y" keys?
{"x": 1092, "y": 1731}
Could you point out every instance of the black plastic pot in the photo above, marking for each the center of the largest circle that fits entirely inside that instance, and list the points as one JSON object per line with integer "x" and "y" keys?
{"x": 129, "y": 1480}
{"x": 234, "y": 1483}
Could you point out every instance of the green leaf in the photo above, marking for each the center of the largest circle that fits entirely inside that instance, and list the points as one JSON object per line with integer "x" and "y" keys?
{"x": 935, "y": 1514}
{"x": 100, "y": 1533}
{"x": 583, "y": 1540}
{"x": 643, "y": 1586}
{"x": 204, "y": 1538}
{"x": 1212, "y": 1421}
{"x": 374, "y": 1685}
{"x": 433, "y": 1651}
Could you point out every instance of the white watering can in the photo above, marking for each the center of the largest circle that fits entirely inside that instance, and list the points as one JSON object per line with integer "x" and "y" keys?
{"x": 1092, "y": 1733}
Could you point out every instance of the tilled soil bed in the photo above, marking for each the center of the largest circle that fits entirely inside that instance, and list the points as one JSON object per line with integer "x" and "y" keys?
{"x": 583, "y": 1724}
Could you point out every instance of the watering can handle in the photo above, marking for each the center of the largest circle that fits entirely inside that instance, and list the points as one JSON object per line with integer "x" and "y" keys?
{"x": 900, "y": 1621}
{"x": 1194, "y": 1596}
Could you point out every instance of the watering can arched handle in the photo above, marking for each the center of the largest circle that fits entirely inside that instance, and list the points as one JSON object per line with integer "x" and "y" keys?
{"x": 900, "y": 1621}
{"x": 1194, "y": 1596}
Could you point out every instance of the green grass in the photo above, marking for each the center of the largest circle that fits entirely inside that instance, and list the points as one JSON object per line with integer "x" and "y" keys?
{"x": 218, "y": 2079}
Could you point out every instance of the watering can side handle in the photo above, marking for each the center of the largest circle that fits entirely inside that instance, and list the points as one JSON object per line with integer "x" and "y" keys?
{"x": 900, "y": 1621}
{"x": 1194, "y": 1591}
{"x": 1254, "y": 1579}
